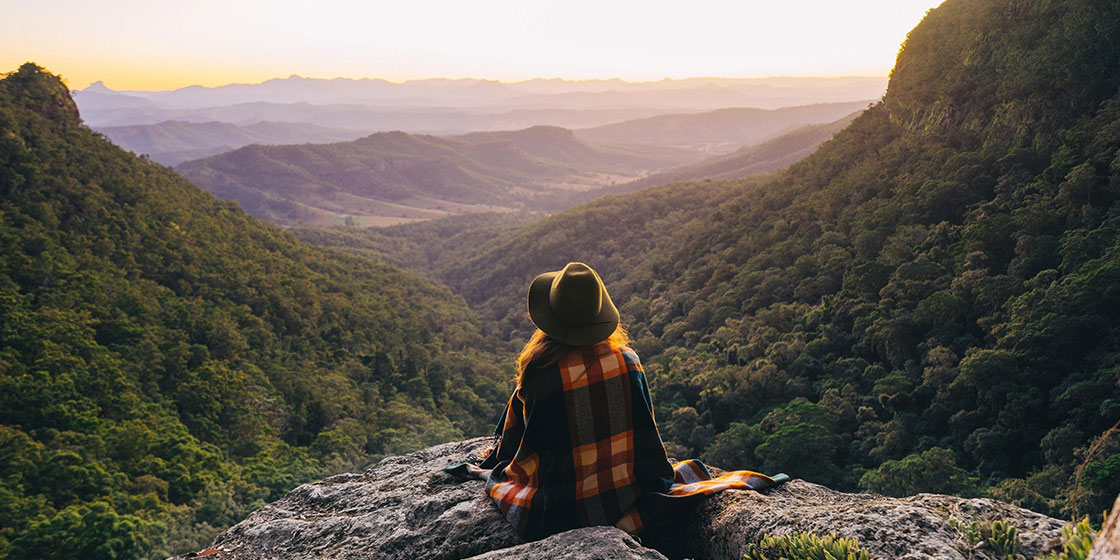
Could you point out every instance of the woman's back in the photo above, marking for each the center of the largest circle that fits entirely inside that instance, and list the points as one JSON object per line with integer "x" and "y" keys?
{"x": 579, "y": 445}
{"x": 587, "y": 447}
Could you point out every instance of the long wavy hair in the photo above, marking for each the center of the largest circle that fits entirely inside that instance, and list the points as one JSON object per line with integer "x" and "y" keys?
{"x": 542, "y": 350}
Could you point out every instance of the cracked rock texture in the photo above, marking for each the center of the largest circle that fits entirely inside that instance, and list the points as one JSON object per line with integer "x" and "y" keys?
{"x": 1107, "y": 545}
{"x": 904, "y": 528}
{"x": 408, "y": 508}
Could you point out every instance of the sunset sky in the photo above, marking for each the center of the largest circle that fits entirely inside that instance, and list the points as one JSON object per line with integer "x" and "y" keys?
{"x": 145, "y": 45}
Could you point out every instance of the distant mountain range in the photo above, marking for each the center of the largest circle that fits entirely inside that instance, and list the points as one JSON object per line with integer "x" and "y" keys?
{"x": 163, "y": 351}
{"x": 928, "y": 302}
{"x": 395, "y": 176}
{"x": 696, "y": 93}
{"x": 172, "y": 142}
{"x": 719, "y": 131}
{"x": 768, "y": 156}
{"x": 368, "y": 119}
{"x": 444, "y": 106}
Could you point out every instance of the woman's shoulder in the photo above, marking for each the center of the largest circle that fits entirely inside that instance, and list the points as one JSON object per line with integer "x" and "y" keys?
{"x": 629, "y": 356}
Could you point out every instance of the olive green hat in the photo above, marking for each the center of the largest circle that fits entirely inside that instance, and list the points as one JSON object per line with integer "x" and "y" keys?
{"x": 572, "y": 305}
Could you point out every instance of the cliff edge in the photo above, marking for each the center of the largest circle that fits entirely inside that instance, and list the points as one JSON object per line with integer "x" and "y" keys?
{"x": 408, "y": 508}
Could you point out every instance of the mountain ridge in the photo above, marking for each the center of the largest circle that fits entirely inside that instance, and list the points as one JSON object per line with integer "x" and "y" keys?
{"x": 173, "y": 142}
{"x": 396, "y": 175}
{"x": 170, "y": 363}
{"x": 766, "y": 157}
{"x": 722, "y": 130}
{"x": 933, "y": 290}
{"x": 466, "y": 90}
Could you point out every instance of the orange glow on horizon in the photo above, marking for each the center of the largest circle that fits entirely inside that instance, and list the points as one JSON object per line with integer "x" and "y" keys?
{"x": 140, "y": 45}
{"x": 118, "y": 77}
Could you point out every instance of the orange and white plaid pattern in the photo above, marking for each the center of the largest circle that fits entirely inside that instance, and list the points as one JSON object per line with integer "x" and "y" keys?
{"x": 576, "y": 371}
{"x": 604, "y": 464}
{"x": 579, "y": 446}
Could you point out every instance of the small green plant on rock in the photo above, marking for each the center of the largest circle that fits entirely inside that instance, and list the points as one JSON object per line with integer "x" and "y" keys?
{"x": 999, "y": 537}
{"x": 1077, "y": 539}
{"x": 807, "y": 546}
{"x": 1002, "y": 539}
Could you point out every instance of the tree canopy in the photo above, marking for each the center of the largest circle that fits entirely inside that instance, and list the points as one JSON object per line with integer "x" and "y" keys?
{"x": 168, "y": 363}
{"x": 938, "y": 285}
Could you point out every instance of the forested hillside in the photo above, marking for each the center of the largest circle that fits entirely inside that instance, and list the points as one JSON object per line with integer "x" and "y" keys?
{"x": 719, "y": 131}
{"x": 941, "y": 276}
{"x": 399, "y": 175}
{"x": 930, "y": 302}
{"x": 437, "y": 246}
{"x": 168, "y": 363}
{"x": 172, "y": 142}
{"x": 772, "y": 155}
{"x": 424, "y": 247}
{"x": 487, "y": 258}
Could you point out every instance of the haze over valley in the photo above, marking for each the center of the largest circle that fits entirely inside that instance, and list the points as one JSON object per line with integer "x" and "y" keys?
{"x": 212, "y": 295}
{"x": 461, "y": 105}
{"x": 413, "y": 163}
{"x": 390, "y": 177}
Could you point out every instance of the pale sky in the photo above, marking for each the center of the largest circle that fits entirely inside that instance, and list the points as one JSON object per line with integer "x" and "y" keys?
{"x": 155, "y": 44}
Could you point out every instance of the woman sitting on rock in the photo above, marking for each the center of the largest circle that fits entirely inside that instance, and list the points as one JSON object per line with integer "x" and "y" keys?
{"x": 578, "y": 443}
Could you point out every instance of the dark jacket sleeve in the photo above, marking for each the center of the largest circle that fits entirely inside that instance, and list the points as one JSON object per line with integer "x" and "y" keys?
{"x": 651, "y": 464}
{"x": 509, "y": 431}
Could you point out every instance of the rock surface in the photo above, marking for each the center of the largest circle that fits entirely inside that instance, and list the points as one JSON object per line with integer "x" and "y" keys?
{"x": 589, "y": 543}
{"x": 1107, "y": 545}
{"x": 911, "y": 528}
{"x": 408, "y": 508}
{"x": 401, "y": 508}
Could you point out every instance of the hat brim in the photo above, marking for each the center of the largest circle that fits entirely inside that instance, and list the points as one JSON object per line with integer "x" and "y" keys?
{"x": 542, "y": 315}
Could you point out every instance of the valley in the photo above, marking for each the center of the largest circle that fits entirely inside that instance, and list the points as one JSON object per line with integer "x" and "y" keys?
{"x": 406, "y": 177}
{"x": 926, "y": 301}
{"x": 918, "y": 293}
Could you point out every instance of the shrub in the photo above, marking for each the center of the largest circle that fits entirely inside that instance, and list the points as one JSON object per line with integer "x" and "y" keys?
{"x": 807, "y": 546}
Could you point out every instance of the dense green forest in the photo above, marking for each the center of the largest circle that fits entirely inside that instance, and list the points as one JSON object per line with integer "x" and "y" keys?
{"x": 168, "y": 363}
{"x": 930, "y": 302}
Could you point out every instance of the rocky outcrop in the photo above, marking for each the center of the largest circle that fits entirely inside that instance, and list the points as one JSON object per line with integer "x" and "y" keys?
{"x": 1107, "y": 545}
{"x": 911, "y": 528}
{"x": 402, "y": 508}
{"x": 408, "y": 508}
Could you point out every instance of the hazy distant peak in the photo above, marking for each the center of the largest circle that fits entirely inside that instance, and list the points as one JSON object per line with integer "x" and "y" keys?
{"x": 387, "y": 134}
{"x": 709, "y": 86}
{"x": 196, "y": 88}
{"x": 546, "y": 131}
{"x": 487, "y": 85}
{"x": 97, "y": 87}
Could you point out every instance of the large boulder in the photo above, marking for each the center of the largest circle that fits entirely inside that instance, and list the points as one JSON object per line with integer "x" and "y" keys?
{"x": 402, "y": 508}
{"x": 408, "y": 508}
{"x": 911, "y": 528}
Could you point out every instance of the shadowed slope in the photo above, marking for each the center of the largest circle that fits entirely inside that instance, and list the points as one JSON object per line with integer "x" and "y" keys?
{"x": 168, "y": 363}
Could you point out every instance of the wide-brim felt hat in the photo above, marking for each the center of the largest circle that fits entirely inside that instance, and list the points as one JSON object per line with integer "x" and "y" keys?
{"x": 572, "y": 305}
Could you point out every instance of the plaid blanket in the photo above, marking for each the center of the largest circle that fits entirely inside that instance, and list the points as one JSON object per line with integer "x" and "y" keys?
{"x": 579, "y": 447}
